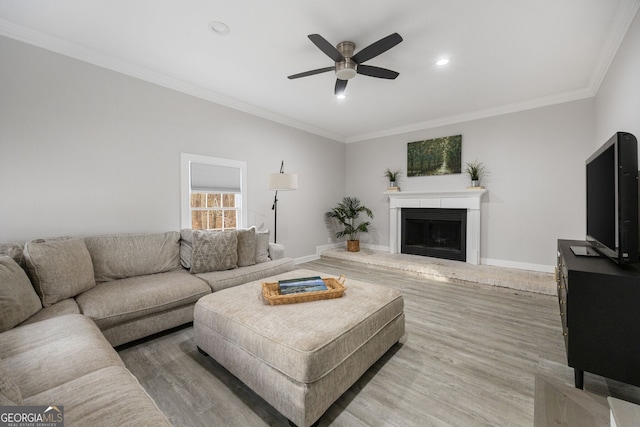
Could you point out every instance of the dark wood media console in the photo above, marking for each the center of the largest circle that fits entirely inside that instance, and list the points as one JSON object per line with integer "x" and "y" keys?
{"x": 600, "y": 311}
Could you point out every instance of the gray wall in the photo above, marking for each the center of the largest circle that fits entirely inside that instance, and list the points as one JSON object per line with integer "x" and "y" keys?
{"x": 535, "y": 161}
{"x": 84, "y": 150}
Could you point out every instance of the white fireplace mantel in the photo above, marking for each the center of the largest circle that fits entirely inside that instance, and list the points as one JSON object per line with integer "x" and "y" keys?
{"x": 469, "y": 199}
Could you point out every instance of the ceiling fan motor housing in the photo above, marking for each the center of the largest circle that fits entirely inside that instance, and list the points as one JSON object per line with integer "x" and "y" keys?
{"x": 346, "y": 69}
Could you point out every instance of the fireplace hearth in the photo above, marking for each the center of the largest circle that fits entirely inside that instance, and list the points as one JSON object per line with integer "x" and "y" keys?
{"x": 438, "y": 233}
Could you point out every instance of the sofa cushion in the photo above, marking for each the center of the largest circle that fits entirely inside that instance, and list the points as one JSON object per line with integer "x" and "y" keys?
{"x": 246, "y": 247}
{"x": 262, "y": 246}
{"x": 66, "y": 306}
{"x": 104, "y": 398}
{"x": 214, "y": 251}
{"x": 118, "y": 256}
{"x": 219, "y": 280}
{"x": 9, "y": 391}
{"x": 18, "y": 299}
{"x": 276, "y": 251}
{"x": 59, "y": 269}
{"x": 52, "y": 352}
{"x": 119, "y": 301}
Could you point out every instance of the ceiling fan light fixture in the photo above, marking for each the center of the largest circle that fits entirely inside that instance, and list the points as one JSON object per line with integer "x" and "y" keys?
{"x": 346, "y": 70}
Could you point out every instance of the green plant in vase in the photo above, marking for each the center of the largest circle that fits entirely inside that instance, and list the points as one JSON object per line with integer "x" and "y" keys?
{"x": 476, "y": 170}
{"x": 392, "y": 176}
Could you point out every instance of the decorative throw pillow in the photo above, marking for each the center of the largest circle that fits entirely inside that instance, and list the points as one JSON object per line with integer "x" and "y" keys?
{"x": 214, "y": 251}
{"x": 262, "y": 246}
{"x": 18, "y": 299}
{"x": 246, "y": 247}
{"x": 59, "y": 269}
{"x": 186, "y": 247}
{"x": 9, "y": 392}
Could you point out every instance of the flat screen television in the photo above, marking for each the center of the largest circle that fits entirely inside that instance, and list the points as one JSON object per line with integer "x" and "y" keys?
{"x": 612, "y": 199}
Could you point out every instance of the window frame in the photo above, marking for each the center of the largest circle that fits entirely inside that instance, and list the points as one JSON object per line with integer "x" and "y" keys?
{"x": 185, "y": 186}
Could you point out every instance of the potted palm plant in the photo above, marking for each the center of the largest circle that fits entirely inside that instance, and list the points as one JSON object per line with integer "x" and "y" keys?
{"x": 347, "y": 213}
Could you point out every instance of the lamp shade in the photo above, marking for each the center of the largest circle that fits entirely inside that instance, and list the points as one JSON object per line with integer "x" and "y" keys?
{"x": 283, "y": 181}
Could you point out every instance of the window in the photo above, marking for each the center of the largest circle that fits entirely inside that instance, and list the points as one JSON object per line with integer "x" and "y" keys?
{"x": 213, "y": 194}
{"x": 214, "y": 211}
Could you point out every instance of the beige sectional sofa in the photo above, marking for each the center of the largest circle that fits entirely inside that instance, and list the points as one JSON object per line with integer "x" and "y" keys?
{"x": 65, "y": 303}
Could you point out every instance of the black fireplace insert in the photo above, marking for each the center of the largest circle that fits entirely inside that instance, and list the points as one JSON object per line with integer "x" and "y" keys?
{"x": 434, "y": 232}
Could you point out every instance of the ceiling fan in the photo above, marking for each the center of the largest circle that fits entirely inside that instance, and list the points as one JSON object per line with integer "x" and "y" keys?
{"x": 347, "y": 64}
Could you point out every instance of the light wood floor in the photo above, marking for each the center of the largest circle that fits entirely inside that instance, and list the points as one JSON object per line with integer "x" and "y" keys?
{"x": 469, "y": 358}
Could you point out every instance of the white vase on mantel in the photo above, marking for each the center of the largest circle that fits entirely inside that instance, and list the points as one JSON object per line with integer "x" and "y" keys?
{"x": 393, "y": 187}
{"x": 475, "y": 185}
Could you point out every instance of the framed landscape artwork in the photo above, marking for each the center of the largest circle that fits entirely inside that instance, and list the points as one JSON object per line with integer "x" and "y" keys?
{"x": 438, "y": 156}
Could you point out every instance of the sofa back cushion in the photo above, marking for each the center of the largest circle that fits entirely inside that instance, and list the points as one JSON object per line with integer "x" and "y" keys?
{"x": 214, "y": 251}
{"x": 15, "y": 250}
{"x": 18, "y": 299}
{"x": 59, "y": 269}
{"x": 119, "y": 256}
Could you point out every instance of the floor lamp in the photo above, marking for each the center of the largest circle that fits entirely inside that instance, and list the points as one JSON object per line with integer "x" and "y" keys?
{"x": 280, "y": 182}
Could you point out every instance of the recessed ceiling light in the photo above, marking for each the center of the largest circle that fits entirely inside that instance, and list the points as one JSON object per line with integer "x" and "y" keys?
{"x": 341, "y": 95}
{"x": 219, "y": 28}
{"x": 443, "y": 61}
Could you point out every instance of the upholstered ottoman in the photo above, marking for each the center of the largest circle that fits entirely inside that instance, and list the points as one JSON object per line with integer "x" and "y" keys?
{"x": 299, "y": 357}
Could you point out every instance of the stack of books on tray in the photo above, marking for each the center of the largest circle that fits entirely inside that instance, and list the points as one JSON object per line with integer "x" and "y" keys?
{"x": 303, "y": 284}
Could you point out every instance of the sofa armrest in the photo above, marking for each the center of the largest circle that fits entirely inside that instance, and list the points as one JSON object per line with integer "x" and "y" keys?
{"x": 276, "y": 251}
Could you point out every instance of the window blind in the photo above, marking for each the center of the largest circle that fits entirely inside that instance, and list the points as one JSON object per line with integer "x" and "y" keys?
{"x": 214, "y": 178}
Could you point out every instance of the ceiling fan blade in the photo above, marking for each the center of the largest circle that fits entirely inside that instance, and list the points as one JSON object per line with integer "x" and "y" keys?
{"x": 311, "y": 72}
{"x": 377, "y": 48}
{"x": 381, "y": 73}
{"x": 341, "y": 85}
{"x": 326, "y": 47}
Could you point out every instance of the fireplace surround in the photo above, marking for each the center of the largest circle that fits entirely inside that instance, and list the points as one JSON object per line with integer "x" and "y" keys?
{"x": 469, "y": 200}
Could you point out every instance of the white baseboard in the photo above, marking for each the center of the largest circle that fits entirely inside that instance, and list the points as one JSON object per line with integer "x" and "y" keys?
{"x": 315, "y": 257}
{"x": 307, "y": 258}
{"x": 376, "y": 247}
{"x": 517, "y": 265}
{"x": 321, "y": 248}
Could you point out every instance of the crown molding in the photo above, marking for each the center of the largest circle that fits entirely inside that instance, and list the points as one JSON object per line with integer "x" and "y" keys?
{"x": 476, "y": 115}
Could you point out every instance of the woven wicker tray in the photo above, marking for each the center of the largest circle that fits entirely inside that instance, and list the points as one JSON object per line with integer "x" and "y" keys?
{"x": 271, "y": 292}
